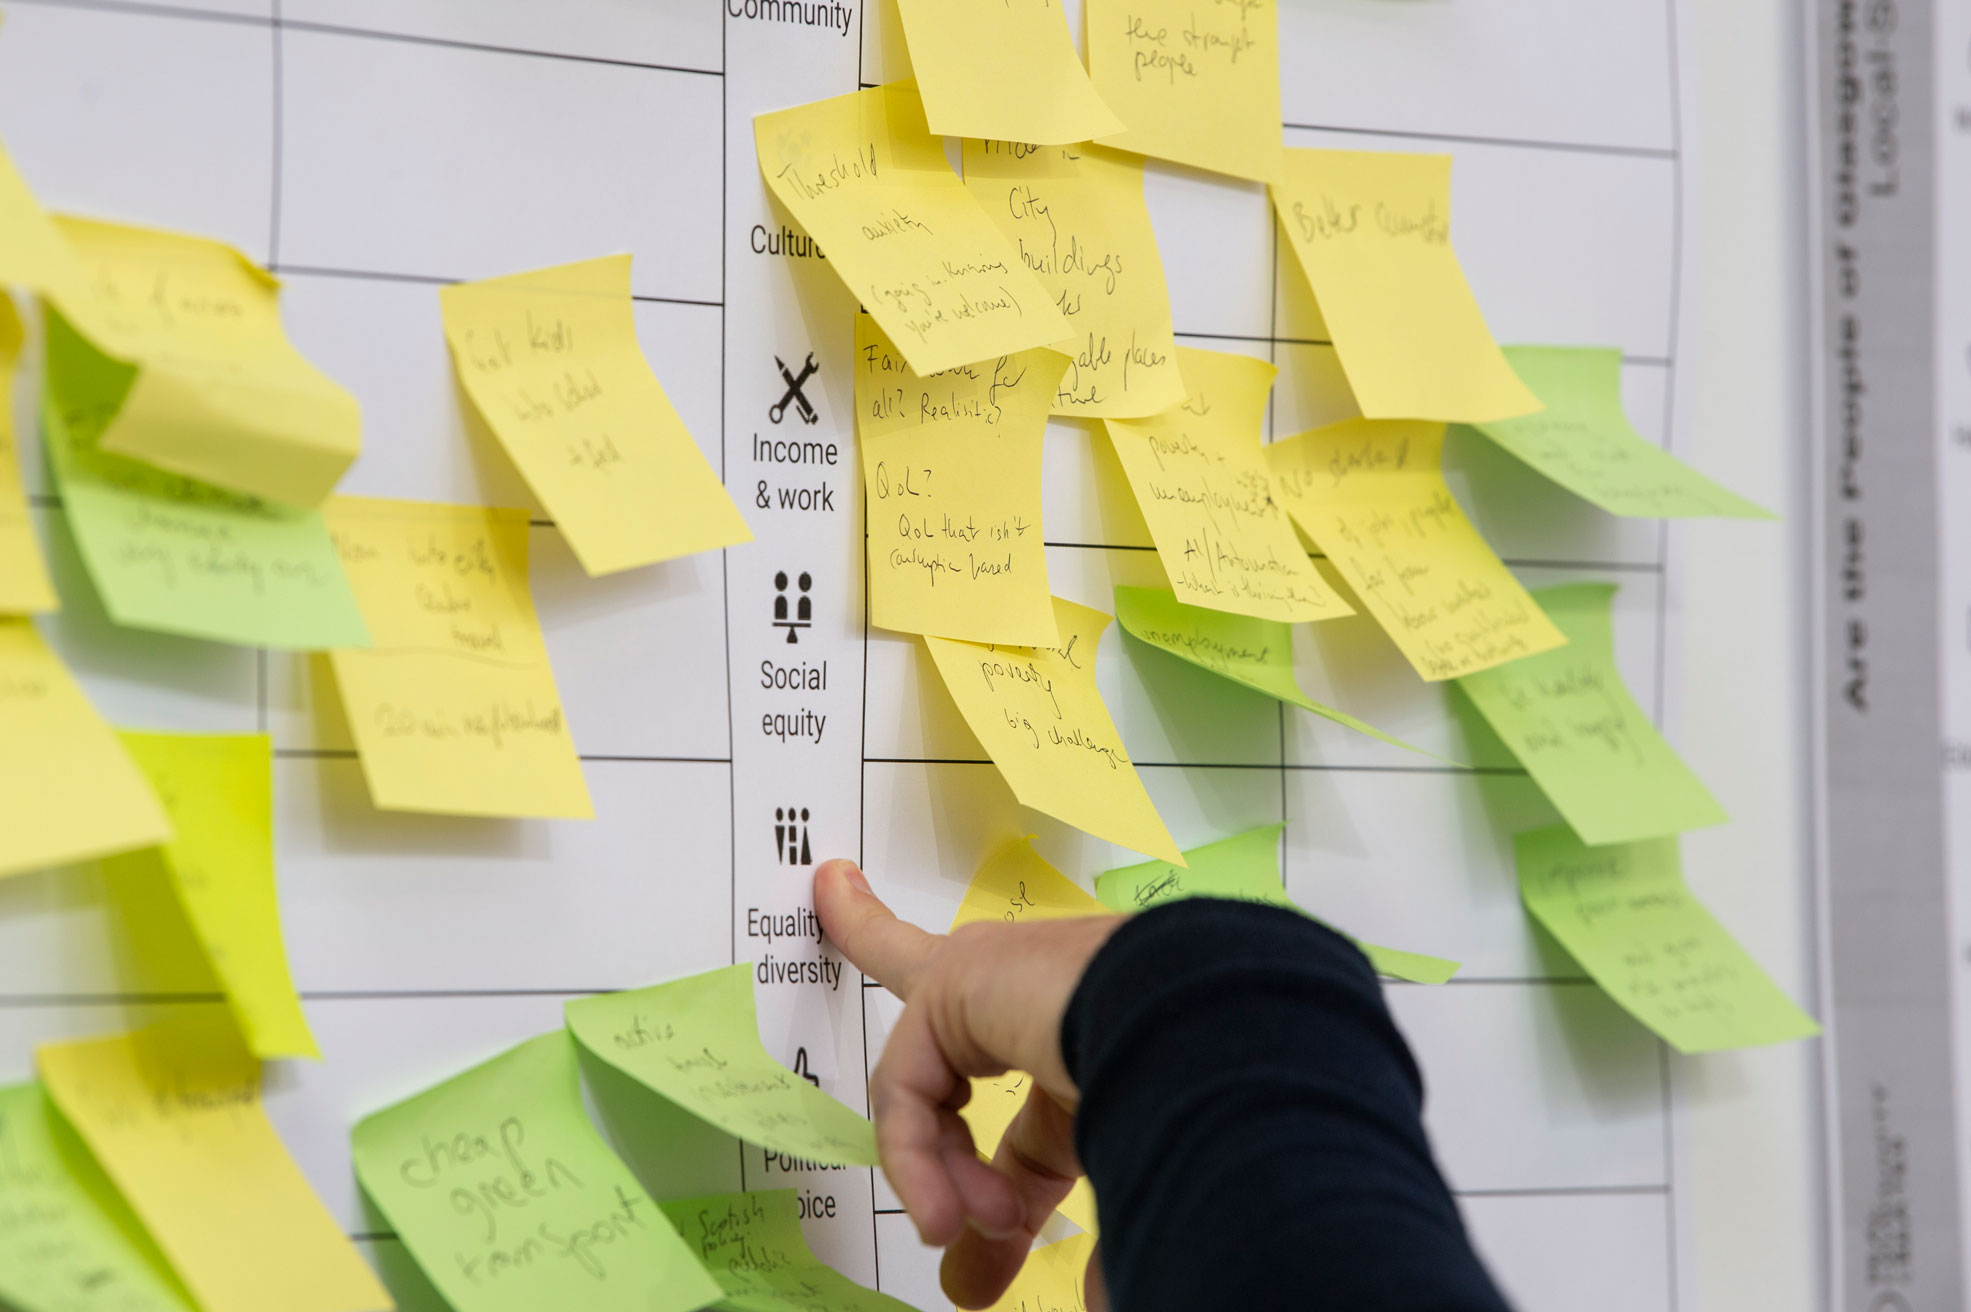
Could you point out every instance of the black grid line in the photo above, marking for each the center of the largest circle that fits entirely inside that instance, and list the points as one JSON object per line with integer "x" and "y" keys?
{"x": 1525, "y": 143}
{"x": 149, "y": 10}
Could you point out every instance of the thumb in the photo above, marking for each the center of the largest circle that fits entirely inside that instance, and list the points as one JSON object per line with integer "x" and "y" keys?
{"x": 892, "y": 952}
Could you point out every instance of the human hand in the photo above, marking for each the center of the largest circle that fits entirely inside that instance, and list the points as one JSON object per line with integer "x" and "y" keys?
{"x": 979, "y": 1002}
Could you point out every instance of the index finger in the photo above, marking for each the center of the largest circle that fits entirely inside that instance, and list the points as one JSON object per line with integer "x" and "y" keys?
{"x": 892, "y": 952}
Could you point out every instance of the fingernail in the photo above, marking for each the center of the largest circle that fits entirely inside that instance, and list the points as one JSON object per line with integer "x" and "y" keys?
{"x": 854, "y": 876}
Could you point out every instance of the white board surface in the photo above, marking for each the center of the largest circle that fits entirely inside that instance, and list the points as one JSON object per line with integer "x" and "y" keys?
{"x": 369, "y": 150}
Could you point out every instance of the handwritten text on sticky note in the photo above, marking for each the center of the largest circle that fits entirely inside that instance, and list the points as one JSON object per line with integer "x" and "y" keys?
{"x": 454, "y": 708}
{"x": 509, "y": 1199}
{"x": 1372, "y": 496}
{"x": 863, "y": 174}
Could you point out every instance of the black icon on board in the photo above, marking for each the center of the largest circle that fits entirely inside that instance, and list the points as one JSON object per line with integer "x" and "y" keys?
{"x": 802, "y": 615}
{"x": 794, "y": 396}
{"x": 790, "y": 836}
{"x": 801, "y": 1067}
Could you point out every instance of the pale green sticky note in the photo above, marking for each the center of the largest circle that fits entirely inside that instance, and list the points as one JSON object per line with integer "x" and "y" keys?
{"x": 1570, "y": 720}
{"x": 180, "y": 556}
{"x": 1254, "y": 652}
{"x": 1624, "y": 912}
{"x": 1244, "y": 868}
{"x": 696, "y": 1041}
{"x": 68, "y": 1242}
{"x": 1584, "y": 442}
{"x": 752, "y": 1245}
{"x": 511, "y": 1202}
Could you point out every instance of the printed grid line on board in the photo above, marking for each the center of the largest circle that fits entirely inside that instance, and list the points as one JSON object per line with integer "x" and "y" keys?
{"x": 277, "y": 26}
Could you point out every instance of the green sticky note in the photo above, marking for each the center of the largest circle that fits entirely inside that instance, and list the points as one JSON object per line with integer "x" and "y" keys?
{"x": 1583, "y": 441}
{"x": 68, "y": 1242}
{"x": 1254, "y": 652}
{"x": 752, "y": 1245}
{"x": 511, "y": 1202}
{"x": 696, "y": 1041}
{"x": 1244, "y": 868}
{"x": 1570, "y": 720}
{"x": 180, "y": 556}
{"x": 1624, "y": 912}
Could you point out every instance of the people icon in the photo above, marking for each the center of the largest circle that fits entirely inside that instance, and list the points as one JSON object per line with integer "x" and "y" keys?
{"x": 790, "y": 836}
{"x": 803, "y": 609}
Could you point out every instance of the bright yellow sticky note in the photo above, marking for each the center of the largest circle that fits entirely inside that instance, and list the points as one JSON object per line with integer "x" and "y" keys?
{"x": 1040, "y": 717}
{"x": 201, "y": 378}
{"x": 453, "y": 707}
{"x": 551, "y": 361}
{"x": 24, "y": 585}
{"x": 1583, "y": 440}
{"x": 863, "y": 174}
{"x": 1016, "y": 884}
{"x": 951, "y": 466}
{"x": 1199, "y": 84}
{"x": 1076, "y": 216}
{"x": 32, "y": 252}
{"x": 219, "y": 872}
{"x": 173, "y": 1114}
{"x": 1624, "y": 912}
{"x": 1054, "y": 1279}
{"x": 68, "y": 790}
{"x": 1002, "y": 70}
{"x": 1372, "y": 496}
{"x": 1372, "y": 232}
{"x": 1200, "y": 478}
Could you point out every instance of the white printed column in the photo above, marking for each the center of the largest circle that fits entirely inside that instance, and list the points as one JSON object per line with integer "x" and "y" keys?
{"x": 794, "y": 601}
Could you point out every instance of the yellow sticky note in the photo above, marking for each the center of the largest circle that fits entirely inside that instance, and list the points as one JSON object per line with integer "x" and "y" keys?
{"x": 863, "y": 174}
{"x": 68, "y": 790}
{"x": 1199, "y": 84}
{"x": 951, "y": 467}
{"x": 24, "y": 585}
{"x": 453, "y": 707}
{"x": 1014, "y": 885}
{"x": 1054, "y": 1279}
{"x": 1002, "y": 70}
{"x": 1076, "y": 216}
{"x": 218, "y": 869}
{"x": 1040, "y": 717}
{"x": 1200, "y": 477}
{"x": 200, "y": 377}
{"x": 1372, "y": 496}
{"x": 551, "y": 361}
{"x": 1624, "y": 912}
{"x": 32, "y": 252}
{"x": 1372, "y": 233}
{"x": 173, "y": 1114}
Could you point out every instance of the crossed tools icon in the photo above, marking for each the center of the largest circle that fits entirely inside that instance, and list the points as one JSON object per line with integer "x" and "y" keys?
{"x": 795, "y": 396}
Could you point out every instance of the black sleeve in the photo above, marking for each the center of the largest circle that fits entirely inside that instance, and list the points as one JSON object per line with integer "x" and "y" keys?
{"x": 1252, "y": 1123}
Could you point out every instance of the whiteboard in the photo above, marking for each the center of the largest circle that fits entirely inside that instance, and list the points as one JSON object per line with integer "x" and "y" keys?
{"x": 370, "y": 150}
